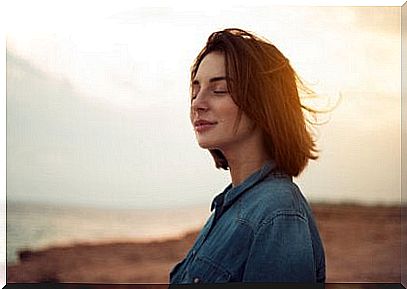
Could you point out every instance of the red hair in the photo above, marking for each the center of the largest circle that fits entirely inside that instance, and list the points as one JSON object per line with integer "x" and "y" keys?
{"x": 265, "y": 87}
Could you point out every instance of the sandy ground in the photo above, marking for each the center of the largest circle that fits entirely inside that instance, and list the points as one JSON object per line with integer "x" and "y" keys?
{"x": 362, "y": 244}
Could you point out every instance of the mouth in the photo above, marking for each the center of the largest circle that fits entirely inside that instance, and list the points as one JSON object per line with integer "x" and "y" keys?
{"x": 203, "y": 125}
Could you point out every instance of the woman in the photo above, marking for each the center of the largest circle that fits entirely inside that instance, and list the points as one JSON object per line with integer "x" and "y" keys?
{"x": 245, "y": 110}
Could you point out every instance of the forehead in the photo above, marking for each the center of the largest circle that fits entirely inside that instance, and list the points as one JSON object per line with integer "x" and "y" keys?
{"x": 212, "y": 65}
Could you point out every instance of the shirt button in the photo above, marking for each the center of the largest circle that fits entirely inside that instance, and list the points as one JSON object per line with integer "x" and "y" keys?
{"x": 196, "y": 280}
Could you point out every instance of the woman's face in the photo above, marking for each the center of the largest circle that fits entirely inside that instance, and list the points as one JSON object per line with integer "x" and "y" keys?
{"x": 213, "y": 111}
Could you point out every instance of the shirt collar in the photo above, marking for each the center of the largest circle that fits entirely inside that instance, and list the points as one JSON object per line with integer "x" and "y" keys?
{"x": 230, "y": 193}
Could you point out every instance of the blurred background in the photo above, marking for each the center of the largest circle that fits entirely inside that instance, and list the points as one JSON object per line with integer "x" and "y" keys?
{"x": 99, "y": 144}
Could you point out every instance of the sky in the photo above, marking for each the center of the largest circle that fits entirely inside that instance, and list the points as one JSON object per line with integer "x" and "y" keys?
{"x": 97, "y": 98}
{"x": 97, "y": 102}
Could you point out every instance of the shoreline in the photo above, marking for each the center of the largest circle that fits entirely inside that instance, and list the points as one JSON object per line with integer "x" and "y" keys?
{"x": 362, "y": 244}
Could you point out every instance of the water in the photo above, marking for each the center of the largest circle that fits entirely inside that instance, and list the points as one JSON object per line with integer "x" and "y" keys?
{"x": 36, "y": 226}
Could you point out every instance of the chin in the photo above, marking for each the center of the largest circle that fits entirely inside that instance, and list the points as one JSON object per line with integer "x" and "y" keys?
{"x": 205, "y": 144}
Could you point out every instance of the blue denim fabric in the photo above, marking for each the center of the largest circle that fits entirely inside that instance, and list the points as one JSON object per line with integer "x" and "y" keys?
{"x": 262, "y": 230}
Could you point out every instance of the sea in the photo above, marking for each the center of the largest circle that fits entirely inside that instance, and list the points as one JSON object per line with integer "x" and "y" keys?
{"x": 35, "y": 226}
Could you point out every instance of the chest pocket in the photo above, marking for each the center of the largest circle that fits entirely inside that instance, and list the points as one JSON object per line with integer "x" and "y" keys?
{"x": 204, "y": 270}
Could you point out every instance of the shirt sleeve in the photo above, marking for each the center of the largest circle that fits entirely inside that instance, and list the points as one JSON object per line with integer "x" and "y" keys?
{"x": 281, "y": 251}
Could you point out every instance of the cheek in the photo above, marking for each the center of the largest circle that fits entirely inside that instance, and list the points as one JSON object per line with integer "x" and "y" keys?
{"x": 228, "y": 111}
{"x": 191, "y": 115}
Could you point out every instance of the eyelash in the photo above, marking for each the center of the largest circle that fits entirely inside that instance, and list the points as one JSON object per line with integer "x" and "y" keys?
{"x": 214, "y": 91}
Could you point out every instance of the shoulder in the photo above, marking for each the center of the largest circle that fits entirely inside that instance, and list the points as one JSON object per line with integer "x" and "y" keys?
{"x": 274, "y": 198}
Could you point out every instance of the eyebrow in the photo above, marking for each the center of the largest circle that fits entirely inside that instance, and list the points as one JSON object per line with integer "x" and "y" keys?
{"x": 213, "y": 79}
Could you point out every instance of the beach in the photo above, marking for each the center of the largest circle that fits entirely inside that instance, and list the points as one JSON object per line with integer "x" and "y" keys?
{"x": 362, "y": 244}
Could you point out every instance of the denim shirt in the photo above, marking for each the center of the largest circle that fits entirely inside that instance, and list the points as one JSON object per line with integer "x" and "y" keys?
{"x": 262, "y": 230}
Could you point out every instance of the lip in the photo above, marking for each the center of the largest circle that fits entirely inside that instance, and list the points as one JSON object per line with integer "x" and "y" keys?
{"x": 202, "y": 125}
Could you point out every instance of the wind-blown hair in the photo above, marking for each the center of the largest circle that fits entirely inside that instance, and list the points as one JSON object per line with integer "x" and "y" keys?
{"x": 265, "y": 87}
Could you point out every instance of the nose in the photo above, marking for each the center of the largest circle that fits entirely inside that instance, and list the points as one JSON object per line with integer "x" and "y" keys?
{"x": 199, "y": 103}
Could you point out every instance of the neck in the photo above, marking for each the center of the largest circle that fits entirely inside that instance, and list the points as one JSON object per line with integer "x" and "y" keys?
{"x": 245, "y": 160}
{"x": 241, "y": 170}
